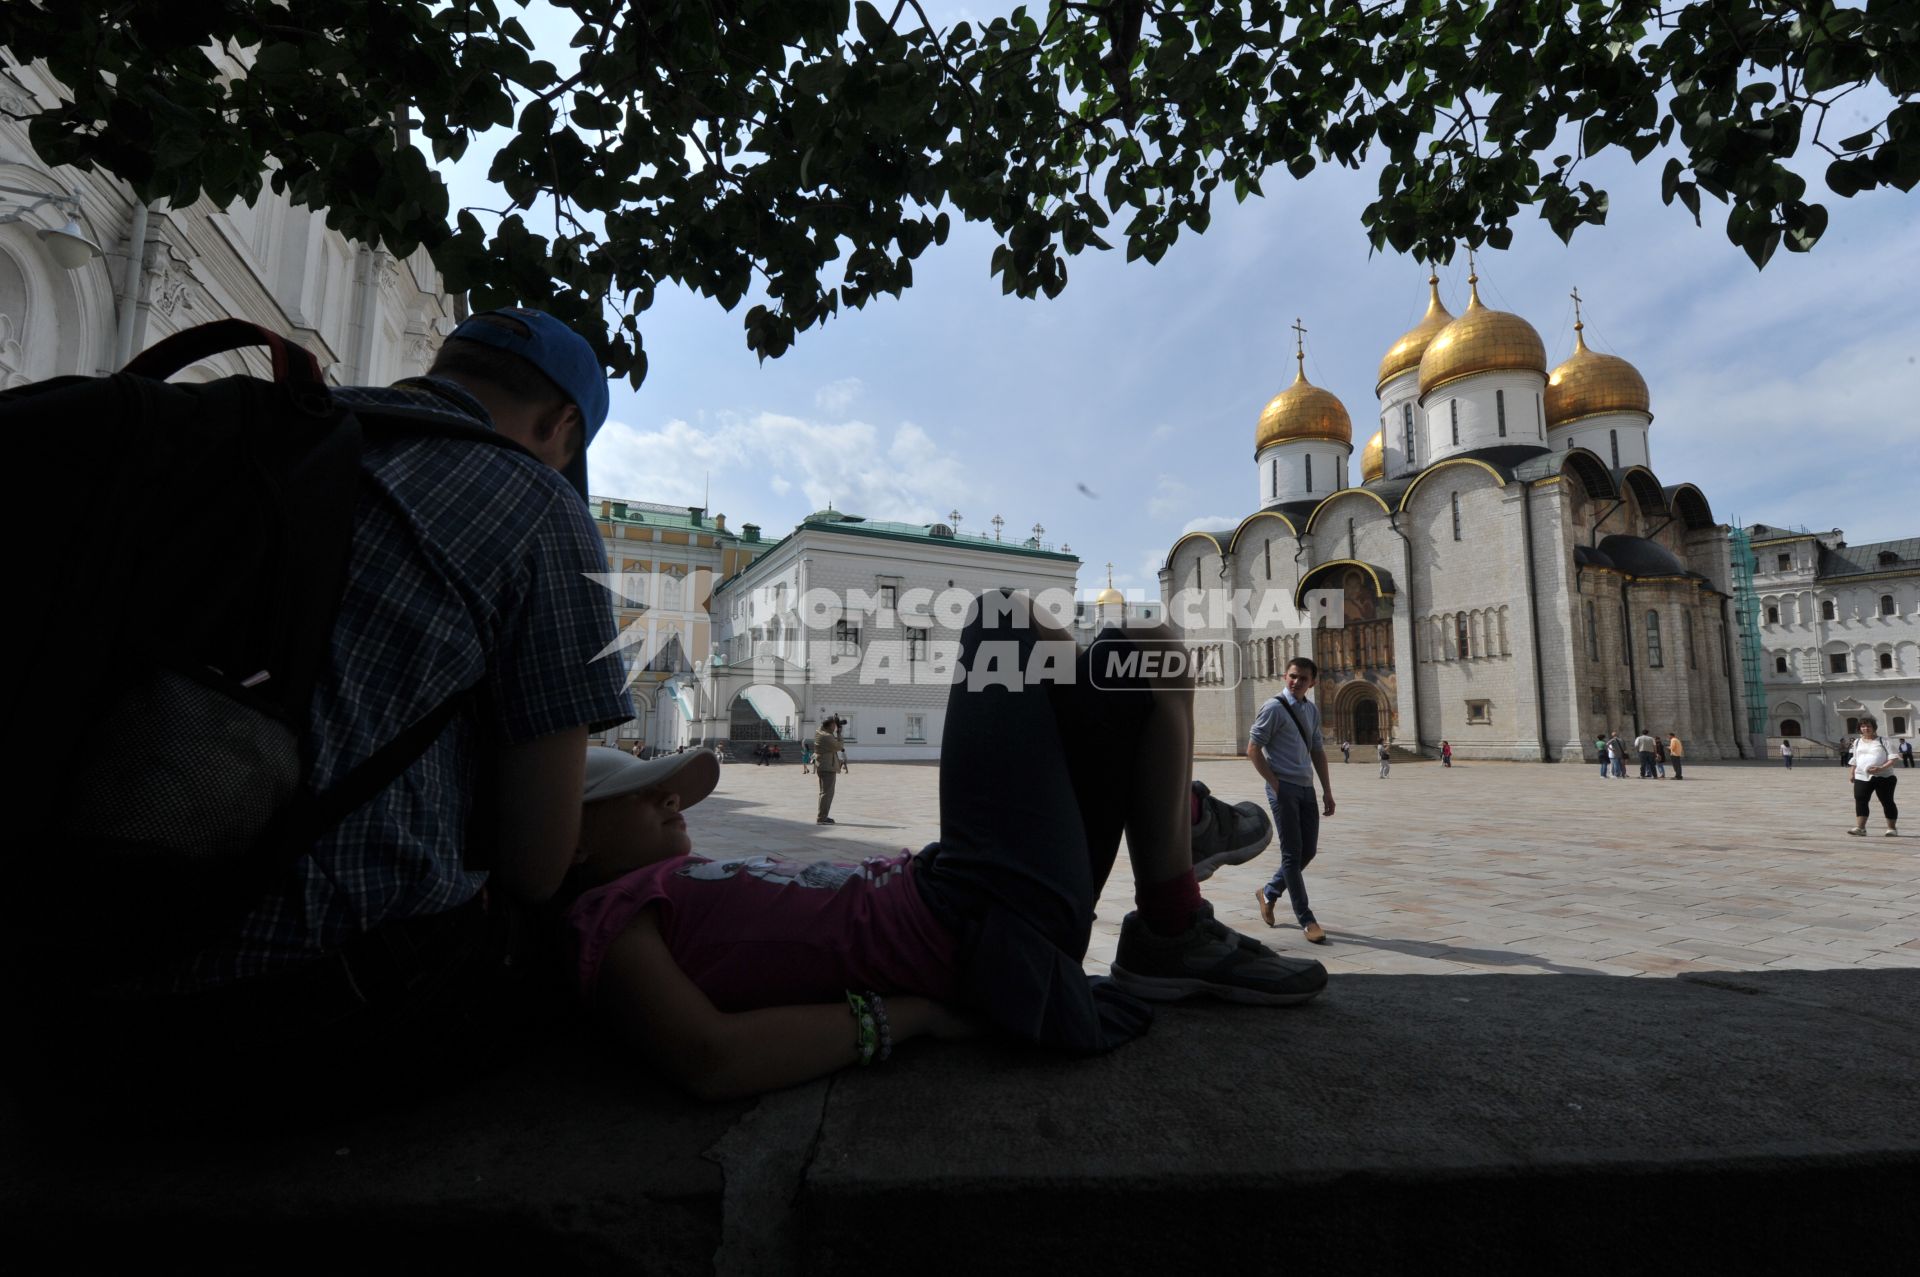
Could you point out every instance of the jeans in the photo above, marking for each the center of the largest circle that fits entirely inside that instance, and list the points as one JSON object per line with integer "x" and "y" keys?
{"x": 1646, "y": 763}
{"x": 1619, "y": 767}
{"x": 1386, "y": 765}
{"x": 1297, "y": 817}
{"x": 1606, "y": 764}
{"x": 1788, "y": 760}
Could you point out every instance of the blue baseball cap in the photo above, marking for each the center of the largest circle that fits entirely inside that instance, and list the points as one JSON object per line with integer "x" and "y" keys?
{"x": 560, "y": 353}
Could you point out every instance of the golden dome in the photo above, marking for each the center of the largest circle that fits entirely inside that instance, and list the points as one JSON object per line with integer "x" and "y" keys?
{"x": 1590, "y": 383}
{"x": 1109, "y": 596}
{"x": 1481, "y": 340}
{"x": 1303, "y": 411}
{"x": 1373, "y": 462}
{"x": 1405, "y": 353}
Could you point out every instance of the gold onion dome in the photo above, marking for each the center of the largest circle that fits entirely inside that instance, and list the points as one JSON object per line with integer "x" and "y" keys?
{"x": 1109, "y": 596}
{"x": 1404, "y": 354}
{"x": 1373, "y": 462}
{"x": 1303, "y": 411}
{"x": 1481, "y": 340}
{"x": 1590, "y": 383}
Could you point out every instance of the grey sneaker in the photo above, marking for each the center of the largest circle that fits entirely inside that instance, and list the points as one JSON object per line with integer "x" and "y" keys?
{"x": 1210, "y": 958}
{"x": 1227, "y": 835}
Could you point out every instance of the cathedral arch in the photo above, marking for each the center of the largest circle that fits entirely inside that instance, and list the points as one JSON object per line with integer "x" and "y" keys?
{"x": 1406, "y": 498}
{"x": 1690, "y": 504}
{"x": 1331, "y": 575}
{"x": 1233, "y": 542}
{"x": 1646, "y": 490}
{"x": 1595, "y": 479}
{"x": 1375, "y": 497}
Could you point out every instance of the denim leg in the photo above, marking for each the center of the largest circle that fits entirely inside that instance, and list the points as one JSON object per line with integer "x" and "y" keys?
{"x": 1298, "y": 820}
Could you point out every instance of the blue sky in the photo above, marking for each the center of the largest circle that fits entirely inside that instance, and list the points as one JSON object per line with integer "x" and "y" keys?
{"x": 1790, "y": 395}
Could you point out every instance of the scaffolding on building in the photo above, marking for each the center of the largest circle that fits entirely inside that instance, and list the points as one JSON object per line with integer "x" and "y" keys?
{"x": 1746, "y": 618}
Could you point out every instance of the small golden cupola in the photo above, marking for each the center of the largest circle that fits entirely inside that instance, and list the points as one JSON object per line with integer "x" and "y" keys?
{"x": 1590, "y": 383}
{"x": 1109, "y": 597}
{"x": 1373, "y": 462}
{"x": 1481, "y": 340}
{"x": 1404, "y": 355}
{"x": 1303, "y": 411}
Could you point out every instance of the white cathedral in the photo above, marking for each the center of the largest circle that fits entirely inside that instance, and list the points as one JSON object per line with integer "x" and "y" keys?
{"x": 1516, "y": 579}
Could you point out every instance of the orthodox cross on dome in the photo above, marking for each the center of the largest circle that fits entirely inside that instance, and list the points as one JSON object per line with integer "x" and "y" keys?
{"x": 1300, "y": 344}
{"x": 997, "y": 523}
{"x": 1473, "y": 270}
{"x": 1109, "y": 575}
{"x": 1577, "y": 325}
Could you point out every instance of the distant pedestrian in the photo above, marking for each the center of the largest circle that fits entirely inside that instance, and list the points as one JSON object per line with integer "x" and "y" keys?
{"x": 806, "y": 757}
{"x": 830, "y": 755}
{"x": 1786, "y": 753}
{"x": 1676, "y": 753}
{"x": 1617, "y": 751}
{"x": 1386, "y": 760}
{"x": 1346, "y": 751}
{"x": 1906, "y": 752}
{"x": 1643, "y": 745}
{"x": 1600, "y": 748}
{"x": 1446, "y": 754}
{"x": 1660, "y": 755}
{"x": 1873, "y": 778}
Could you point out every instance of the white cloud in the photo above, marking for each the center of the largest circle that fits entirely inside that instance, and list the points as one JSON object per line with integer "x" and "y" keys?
{"x": 901, "y": 473}
{"x": 836, "y": 397}
{"x": 1171, "y": 496}
{"x": 1210, "y": 523}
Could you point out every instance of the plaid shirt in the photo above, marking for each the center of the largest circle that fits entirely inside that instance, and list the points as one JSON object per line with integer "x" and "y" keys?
{"x": 466, "y": 571}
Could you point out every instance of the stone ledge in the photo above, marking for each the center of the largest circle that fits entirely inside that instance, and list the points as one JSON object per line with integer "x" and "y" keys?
{"x": 1498, "y": 1123}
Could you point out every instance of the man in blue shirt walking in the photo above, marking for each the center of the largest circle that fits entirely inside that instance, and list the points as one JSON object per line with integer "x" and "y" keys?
{"x": 1284, "y": 740}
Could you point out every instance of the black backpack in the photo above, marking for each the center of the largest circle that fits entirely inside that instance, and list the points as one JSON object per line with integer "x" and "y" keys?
{"x": 180, "y": 552}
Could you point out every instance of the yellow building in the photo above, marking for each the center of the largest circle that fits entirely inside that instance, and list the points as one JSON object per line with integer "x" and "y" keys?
{"x": 666, "y": 560}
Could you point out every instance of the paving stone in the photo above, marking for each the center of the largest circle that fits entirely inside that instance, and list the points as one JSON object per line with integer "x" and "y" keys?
{"x": 1515, "y": 868}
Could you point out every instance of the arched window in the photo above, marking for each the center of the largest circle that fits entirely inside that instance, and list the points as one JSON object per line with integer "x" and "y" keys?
{"x": 1886, "y": 660}
{"x": 1453, "y": 410}
{"x": 1460, "y": 641}
{"x": 1456, "y": 516}
{"x": 1500, "y": 410}
{"x": 1593, "y": 633}
{"x": 1276, "y": 477}
{"x": 1789, "y": 727}
{"x": 1613, "y": 441}
{"x": 1406, "y": 422}
{"x": 1773, "y": 616}
{"x": 1540, "y": 415}
{"x": 1826, "y": 609}
{"x": 1655, "y": 655}
{"x": 1779, "y": 665}
{"x": 1309, "y": 472}
{"x": 1886, "y": 605}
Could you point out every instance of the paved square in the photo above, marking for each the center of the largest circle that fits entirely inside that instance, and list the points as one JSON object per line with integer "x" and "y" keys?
{"x": 1484, "y": 867}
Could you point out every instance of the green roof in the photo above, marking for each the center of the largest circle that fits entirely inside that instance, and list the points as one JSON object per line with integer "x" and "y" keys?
{"x": 930, "y": 534}
{"x": 649, "y": 514}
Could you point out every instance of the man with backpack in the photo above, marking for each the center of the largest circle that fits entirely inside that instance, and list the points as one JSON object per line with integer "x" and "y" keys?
{"x": 1285, "y": 747}
{"x": 461, "y": 674}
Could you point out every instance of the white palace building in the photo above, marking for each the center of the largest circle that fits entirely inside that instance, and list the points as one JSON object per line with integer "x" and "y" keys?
{"x": 1515, "y": 577}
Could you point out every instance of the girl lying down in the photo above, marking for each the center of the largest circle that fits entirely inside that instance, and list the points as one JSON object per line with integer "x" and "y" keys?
{"x": 735, "y": 974}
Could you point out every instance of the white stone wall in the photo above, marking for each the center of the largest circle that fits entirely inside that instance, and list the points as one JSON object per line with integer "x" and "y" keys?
{"x": 368, "y": 316}
{"x": 876, "y": 688}
{"x": 1806, "y": 639}
{"x": 1601, "y": 432}
{"x": 1284, "y": 473}
{"x": 1478, "y": 398}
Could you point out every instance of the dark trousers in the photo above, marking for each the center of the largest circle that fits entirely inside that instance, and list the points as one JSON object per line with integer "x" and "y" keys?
{"x": 1880, "y": 786}
{"x": 827, "y": 779}
{"x": 1646, "y": 762}
{"x": 1034, "y": 786}
{"x": 1297, "y": 817}
{"x": 1675, "y": 760}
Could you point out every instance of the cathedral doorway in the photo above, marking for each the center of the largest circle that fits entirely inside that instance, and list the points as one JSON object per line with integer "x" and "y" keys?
{"x": 1366, "y": 723}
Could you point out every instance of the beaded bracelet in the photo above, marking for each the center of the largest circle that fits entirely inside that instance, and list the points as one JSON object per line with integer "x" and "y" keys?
{"x": 880, "y": 1018}
{"x": 866, "y": 1034}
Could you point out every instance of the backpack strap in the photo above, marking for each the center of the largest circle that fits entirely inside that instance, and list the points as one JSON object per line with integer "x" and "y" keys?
{"x": 291, "y": 363}
{"x": 1306, "y": 742}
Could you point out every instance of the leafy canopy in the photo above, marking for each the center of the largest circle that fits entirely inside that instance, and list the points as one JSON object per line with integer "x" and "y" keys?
{"x": 814, "y": 148}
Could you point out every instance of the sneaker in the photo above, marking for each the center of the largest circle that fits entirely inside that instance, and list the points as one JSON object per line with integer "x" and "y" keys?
{"x": 1313, "y": 933}
{"x": 825, "y": 820}
{"x": 1857, "y": 833}
{"x": 1891, "y": 833}
{"x": 1227, "y": 835}
{"x": 1210, "y": 958}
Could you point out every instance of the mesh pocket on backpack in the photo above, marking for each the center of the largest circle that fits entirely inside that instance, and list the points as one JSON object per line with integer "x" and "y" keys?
{"x": 201, "y": 778}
